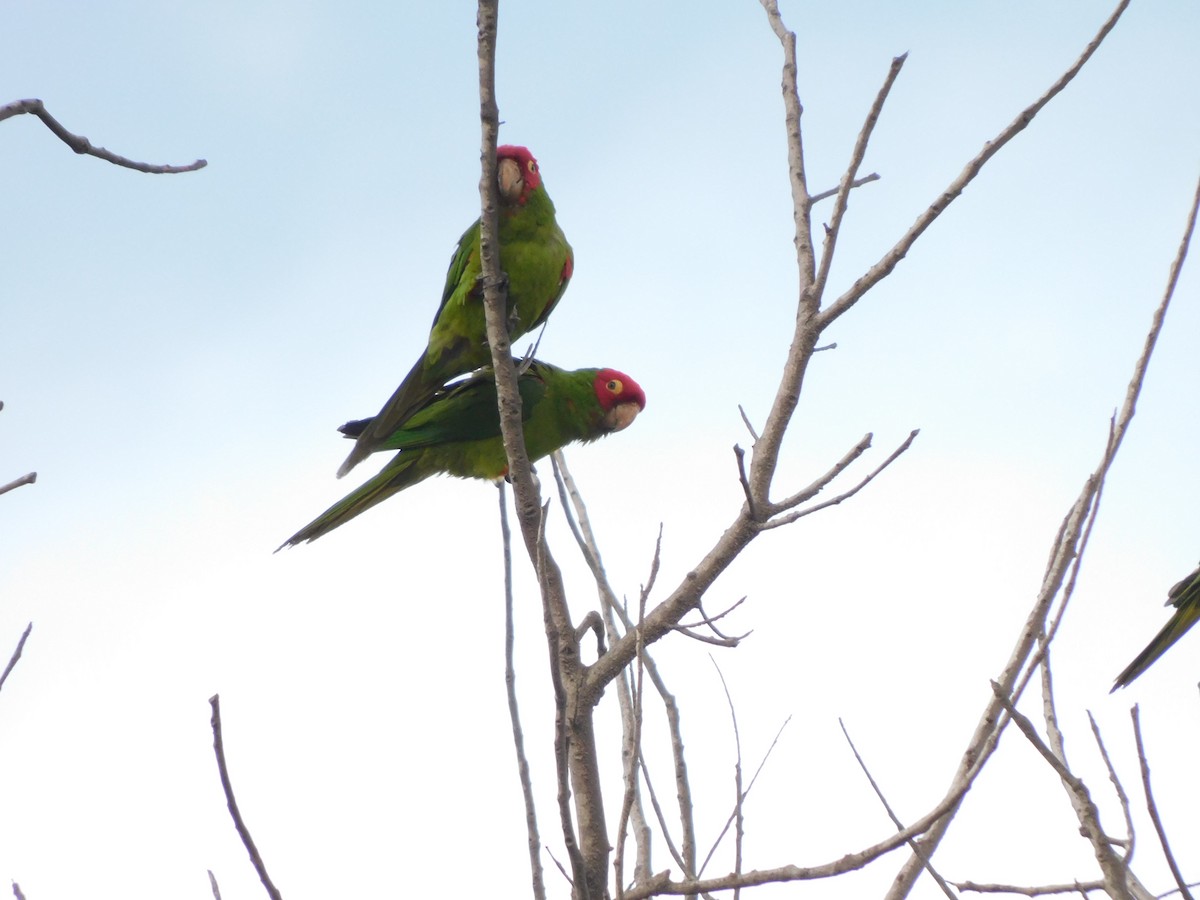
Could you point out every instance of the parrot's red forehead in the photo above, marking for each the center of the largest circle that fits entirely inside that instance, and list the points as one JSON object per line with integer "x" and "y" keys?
{"x": 523, "y": 158}
{"x": 613, "y": 387}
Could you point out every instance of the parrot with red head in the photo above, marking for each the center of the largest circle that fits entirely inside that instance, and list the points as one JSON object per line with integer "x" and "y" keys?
{"x": 538, "y": 261}
{"x": 457, "y": 432}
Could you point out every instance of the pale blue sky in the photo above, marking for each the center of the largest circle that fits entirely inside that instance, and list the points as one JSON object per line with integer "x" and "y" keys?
{"x": 177, "y": 351}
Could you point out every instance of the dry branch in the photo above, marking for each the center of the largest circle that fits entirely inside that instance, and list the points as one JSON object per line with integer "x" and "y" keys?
{"x": 1152, "y": 808}
{"x": 510, "y": 684}
{"x": 29, "y": 478}
{"x": 1122, "y": 797}
{"x": 83, "y": 146}
{"x": 1075, "y": 887}
{"x": 1064, "y": 549}
{"x": 231, "y": 802}
{"x": 16, "y": 654}
{"x": 933, "y": 873}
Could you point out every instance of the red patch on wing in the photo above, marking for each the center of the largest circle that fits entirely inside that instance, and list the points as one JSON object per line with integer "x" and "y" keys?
{"x": 568, "y": 269}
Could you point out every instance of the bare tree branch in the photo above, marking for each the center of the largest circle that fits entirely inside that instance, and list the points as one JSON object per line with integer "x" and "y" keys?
{"x": 884, "y": 267}
{"x": 16, "y": 654}
{"x": 83, "y": 146}
{"x": 1075, "y": 887}
{"x": 575, "y": 730}
{"x": 243, "y": 832}
{"x": 1122, "y": 797}
{"x": 1152, "y": 808}
{"x": 514, "y": 714}
{"x": 1063, "y": 551}
{"x": 30, "y": 478}
{"x": 24, "y": 479}
{"x": 845, "y": 495}
{"x": 212, "y": 883}
{"x": 739, "y": 831}
{"x": 933, "y": 873}
{"x": 733, "y": 815}
{"x": 572, "y": 500}
{"x": 856, "y": 157}
{"x": 832, "y": 192}
{"x": 632, "y": 752}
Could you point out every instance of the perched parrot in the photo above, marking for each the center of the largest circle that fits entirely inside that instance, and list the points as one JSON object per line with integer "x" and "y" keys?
{"x": 1185, "y": 597}
{"x": 538, "y": 261}
{"x": 458, "y": 432}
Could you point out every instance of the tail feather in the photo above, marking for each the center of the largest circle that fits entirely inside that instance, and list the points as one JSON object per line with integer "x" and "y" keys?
{"x": 416, "y": 388}
{"x": 355, "y": 427}
{"x": 1185, "y": 617}
{"x": 402, "y": 472}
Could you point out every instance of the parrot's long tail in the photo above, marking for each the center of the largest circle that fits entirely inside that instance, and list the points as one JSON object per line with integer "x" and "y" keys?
{"x": 1185, "y": 617}
{"x": 414, "y": 391}
{"x": 402, "y": 472}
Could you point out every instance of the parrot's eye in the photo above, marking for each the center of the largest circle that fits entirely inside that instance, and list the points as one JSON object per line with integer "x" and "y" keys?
{"x": 614, "y": 386}
{"x": 531, "y": 165}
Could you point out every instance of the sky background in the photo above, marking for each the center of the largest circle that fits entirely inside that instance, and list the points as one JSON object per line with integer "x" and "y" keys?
{"x": 176, "y": 352}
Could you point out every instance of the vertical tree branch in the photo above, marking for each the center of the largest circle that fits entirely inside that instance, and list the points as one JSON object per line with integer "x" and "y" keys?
{"x": 567, "y": 671}
{"x": 1152, "y": 808}
{"x": 766, "y": 448}
{"x": 514, "y": 714}
{"x": 242, "y": 830}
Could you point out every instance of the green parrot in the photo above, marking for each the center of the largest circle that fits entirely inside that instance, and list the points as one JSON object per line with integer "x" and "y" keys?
{"x": 538, "y": 261}
{"x": 1185, "y": 597}
{"x": 458, "y": 432}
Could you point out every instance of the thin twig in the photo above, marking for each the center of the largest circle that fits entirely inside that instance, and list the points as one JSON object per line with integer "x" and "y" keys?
{"x": 741, "y": 464}
{"x": 242, "y": 830}
{"x": 1075, "y": 887}
{"x": 1122, "y": 797}
{"x": 83, "y": 146}
{"x": 706, "y": 639}
{"x": 1114, "y": 868}
{"x": 888, "y": 262}
{"x": 510, "y": 684}
{"x": 566, "y": 876}
{"x": 740, "y": 796}
{"x": 891, "y": 813}
{"x": 30, "y": 478}
{"x": 856, "y": 158}
{"x": 761, "y": 763}
{"x": 788, "y": 518}
{"x": 746, "y": 422}
{"x": 710, "y": 621}
{"x": 593, "y": 623}
{"x": 1152, "y": 808}
{"x": 16, "y": 655}
{"x": 807, "y": 493}
{"x": 212, "y": 883}
{"x": 1089, "y": 816}
{"x": 17, "y": 891}
{"x": 857, "y": 182}
{"x": 633, "y": 753}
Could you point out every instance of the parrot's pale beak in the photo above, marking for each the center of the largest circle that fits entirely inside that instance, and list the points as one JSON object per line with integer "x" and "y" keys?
{"x": 512, "y": 182}
{"x": 621, "y": 416}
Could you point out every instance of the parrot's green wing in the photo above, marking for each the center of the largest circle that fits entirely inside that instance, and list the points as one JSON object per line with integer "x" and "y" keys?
{"x": 1185, "y": 597}
{"x": 467, "y": 412}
